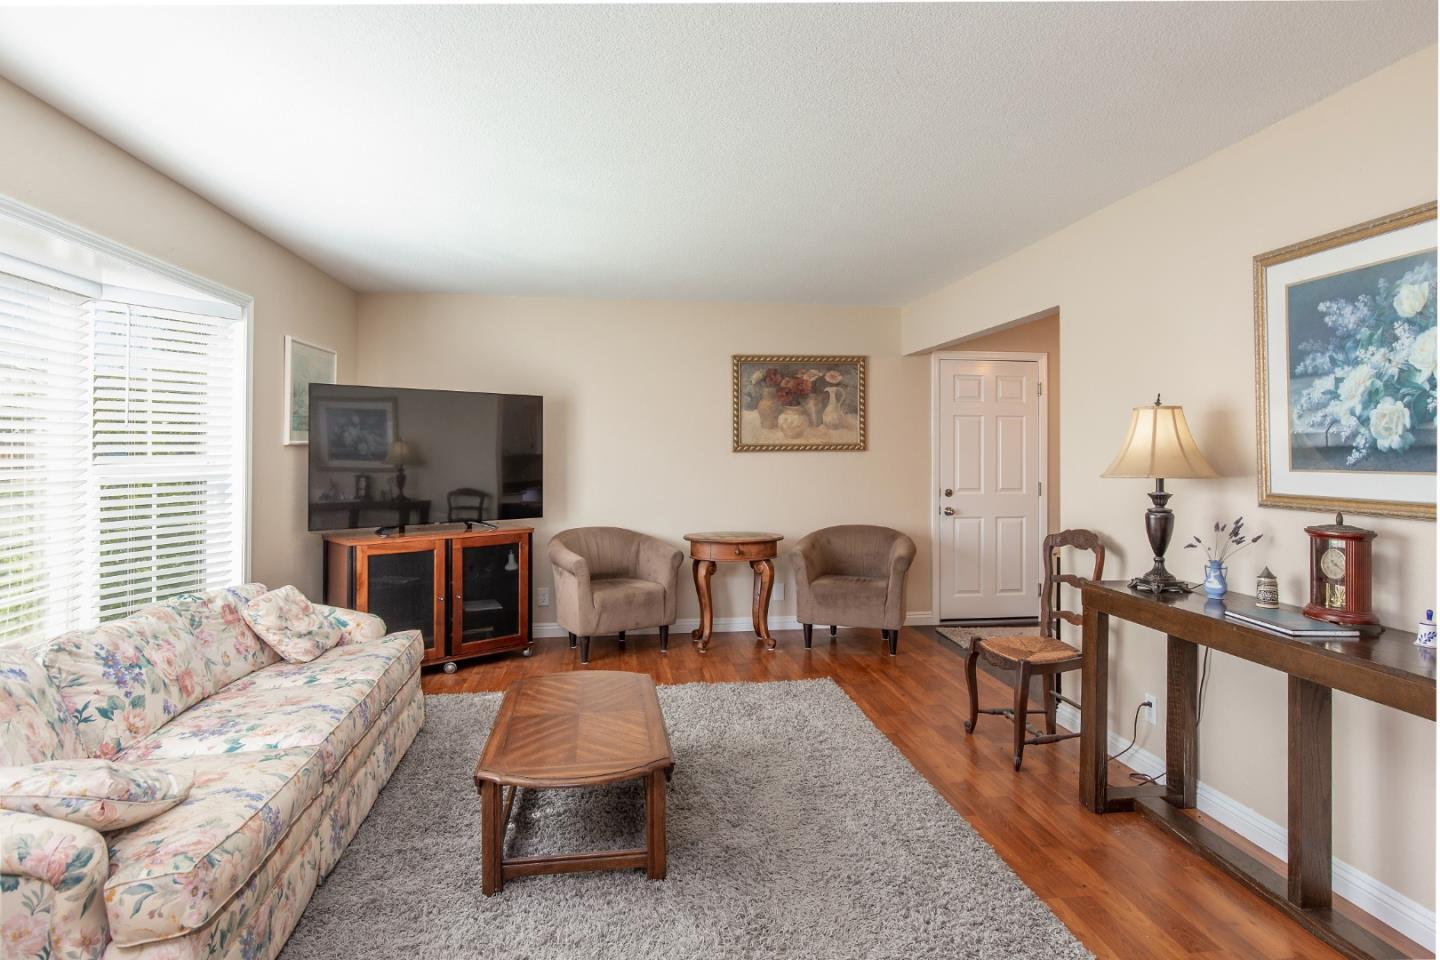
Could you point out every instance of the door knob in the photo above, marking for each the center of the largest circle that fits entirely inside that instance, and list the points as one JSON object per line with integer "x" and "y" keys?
{"x": 949, "y": 511}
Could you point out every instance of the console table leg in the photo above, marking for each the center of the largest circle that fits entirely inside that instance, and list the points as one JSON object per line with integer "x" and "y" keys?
{"x": 1309, "y": 794}
{"x": 1182, "y": 744}
{"x": 760, "y": 611}
{"x": 1094, "y": 708}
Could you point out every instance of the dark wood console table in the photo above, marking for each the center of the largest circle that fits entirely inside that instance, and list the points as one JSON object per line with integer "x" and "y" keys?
{"x": 1387, "y": 669}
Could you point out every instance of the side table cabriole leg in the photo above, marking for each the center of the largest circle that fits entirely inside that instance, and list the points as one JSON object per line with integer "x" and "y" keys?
{"x": 704, "y": 570}
{"x": 760, "y": 608}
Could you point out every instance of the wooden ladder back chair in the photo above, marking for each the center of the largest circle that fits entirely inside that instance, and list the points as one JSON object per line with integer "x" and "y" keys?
{"x": 1045, "y": 655}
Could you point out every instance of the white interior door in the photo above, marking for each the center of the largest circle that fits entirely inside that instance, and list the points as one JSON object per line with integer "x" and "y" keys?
{"x": 990, "y": 488}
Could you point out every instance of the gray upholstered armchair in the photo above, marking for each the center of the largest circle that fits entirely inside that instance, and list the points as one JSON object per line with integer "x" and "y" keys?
{"x": 853, "y": 576}
{"x": 609, "y": 580}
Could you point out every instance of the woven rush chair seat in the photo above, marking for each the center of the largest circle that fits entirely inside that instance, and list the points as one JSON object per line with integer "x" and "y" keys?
{"x": 1028, "y": 649}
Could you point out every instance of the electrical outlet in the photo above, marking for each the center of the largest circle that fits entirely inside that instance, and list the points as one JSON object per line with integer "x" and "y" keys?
{"x": 542, "y": 596}
{"x": 1152, "y": 703}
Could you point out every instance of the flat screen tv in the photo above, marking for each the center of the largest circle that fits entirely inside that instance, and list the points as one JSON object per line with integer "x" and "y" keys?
{"x": 391, "y": 457}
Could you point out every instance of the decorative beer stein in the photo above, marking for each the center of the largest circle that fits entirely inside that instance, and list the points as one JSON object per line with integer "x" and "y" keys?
{"x": 1267, "y": 590}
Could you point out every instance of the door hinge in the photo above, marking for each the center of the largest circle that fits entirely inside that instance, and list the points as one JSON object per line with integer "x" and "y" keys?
{"x": 1039, "y": 389}
{"x": 1039, "y": 589}
{"x": 1039, "y": 488}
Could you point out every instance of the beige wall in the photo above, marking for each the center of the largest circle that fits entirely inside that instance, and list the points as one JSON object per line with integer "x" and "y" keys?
{"x": 637, "y": 416}
{"x": 1155, "y": 292}
{"x": 53, "y": 164}
{"x": 1034, "y": 336}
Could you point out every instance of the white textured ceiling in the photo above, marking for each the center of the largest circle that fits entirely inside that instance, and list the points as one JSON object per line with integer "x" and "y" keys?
{"x": 855, "y": 154}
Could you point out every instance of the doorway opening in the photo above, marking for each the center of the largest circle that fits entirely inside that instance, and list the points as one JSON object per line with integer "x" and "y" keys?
{"x": 994, "y": 455}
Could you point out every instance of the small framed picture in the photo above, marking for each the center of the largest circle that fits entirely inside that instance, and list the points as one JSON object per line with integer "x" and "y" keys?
{"x": 305, "y": 363}
{"x": 1345, "y": 369}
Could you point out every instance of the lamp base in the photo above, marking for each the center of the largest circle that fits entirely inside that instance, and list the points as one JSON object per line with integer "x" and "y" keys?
{"x": 1161, "y": 585}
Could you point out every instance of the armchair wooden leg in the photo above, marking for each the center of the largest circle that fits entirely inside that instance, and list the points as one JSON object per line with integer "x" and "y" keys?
{"x": 832, "y": 631}
{"x": 664, "y": 639}
{"x": 584, "y": 649}
{"x": 622, "y": 638}
{"x": 809, "y": 629}
{"x": 1022, "y": 704}
{"x": 893, "y": 638}
{"x": 572, "y": 641}
{"x": 971, "y": 688}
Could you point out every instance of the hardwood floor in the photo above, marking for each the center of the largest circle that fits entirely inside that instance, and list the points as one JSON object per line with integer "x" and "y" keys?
{"x": 1125, "y": 889}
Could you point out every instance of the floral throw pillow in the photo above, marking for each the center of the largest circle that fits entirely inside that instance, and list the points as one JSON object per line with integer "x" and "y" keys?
{"x": 289, "y": 623}
{"x": 98, "y": 794}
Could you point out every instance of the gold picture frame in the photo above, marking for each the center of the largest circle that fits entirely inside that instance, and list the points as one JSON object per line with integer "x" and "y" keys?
{"x": 1277, "y": 383}
{"x": 785, "y": 402}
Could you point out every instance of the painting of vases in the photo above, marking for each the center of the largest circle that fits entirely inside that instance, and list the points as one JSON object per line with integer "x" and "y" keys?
{"x": 797, "y": 403}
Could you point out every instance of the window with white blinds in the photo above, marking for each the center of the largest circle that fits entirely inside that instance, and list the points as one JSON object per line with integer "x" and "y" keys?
{"x": 122, "y": 454}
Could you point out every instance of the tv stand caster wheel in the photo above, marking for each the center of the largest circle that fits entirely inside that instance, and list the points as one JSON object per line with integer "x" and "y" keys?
{"x": 451, "y": 667}
{"x": 529, "y": 651}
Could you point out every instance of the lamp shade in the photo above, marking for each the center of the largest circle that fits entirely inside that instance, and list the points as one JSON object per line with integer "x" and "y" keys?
{"x": 402, "y": 454}
{"x": 1159, "y": 444}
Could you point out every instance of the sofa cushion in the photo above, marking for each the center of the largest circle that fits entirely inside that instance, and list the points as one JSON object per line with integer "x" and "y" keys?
{"x": 384, "y": 664}
{"x": 123, "y": 680}
{"x": 285, "y": 619}
{"x": 283, "y": 709}
{"x": 171, "y": 874}
{"x": 34, "y": 724}
{"x": 222, "y": 638}
{"x": 97, "y": 794}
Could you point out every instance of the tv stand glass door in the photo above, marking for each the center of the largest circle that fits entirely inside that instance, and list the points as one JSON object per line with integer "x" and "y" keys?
{"x": 490, "y": 592}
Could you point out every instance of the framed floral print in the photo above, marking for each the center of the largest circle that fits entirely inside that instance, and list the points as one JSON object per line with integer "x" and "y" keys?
{"x": 797, "y": 403}
{"x": 305, "y": 363}
{"x": 1345, "y": 369}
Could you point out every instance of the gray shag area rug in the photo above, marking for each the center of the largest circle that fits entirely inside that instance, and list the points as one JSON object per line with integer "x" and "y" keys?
{"x": 796, "y": 829}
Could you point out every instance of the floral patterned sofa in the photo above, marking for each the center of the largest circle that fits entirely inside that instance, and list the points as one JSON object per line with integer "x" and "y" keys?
{"x": 286, "y": 761}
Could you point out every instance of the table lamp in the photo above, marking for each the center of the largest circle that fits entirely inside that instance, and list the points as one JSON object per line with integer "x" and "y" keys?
{"x": 1159, "y": 445}
{"x": 402, "y": 454}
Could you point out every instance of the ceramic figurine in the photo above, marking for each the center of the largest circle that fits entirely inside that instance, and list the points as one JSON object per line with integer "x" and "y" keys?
{"x": 1425, "y": 636}
{"x": 1267, "y": 590}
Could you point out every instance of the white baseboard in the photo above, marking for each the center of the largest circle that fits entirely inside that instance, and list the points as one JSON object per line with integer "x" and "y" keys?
{"x": 719, "y": 625}
{"x": 1386, "y": 904}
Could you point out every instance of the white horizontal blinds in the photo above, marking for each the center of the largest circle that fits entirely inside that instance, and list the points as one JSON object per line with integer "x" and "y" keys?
{"x": 46, "y": 581}
{"x": 167, "y": 453}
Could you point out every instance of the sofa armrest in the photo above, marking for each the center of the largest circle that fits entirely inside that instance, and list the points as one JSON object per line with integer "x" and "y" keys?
{"x": 355, "y": 627}
{"x": 70, "y": 859}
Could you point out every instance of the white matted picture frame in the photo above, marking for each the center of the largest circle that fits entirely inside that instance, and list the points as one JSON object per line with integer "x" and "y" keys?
{"x": 1345, "y": 369}
{"x": 305, "y": 363}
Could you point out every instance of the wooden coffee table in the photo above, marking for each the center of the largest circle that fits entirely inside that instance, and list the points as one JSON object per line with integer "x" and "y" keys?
{"x": 730, "y": 546}
{"x": 573, "y": 730}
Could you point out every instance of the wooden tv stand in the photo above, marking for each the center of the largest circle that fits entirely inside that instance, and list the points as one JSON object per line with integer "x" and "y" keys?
{"x": 466, "y": 591}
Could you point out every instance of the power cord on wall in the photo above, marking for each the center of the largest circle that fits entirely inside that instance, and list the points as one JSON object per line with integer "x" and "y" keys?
{"x": 1141, "y": 778}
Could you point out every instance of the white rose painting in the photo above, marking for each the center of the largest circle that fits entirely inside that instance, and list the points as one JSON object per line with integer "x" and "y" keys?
{"x": 1345, "y": 363}
{"x": 1362, "y": 368}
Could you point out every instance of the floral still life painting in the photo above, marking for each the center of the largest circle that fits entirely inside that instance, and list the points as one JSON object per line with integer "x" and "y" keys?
{"x": 1346, "y": 357}
{"x": 797, "y": 403}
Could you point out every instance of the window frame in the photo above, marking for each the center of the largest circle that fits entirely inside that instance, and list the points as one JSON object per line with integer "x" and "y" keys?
{"x": 107, "y": 249}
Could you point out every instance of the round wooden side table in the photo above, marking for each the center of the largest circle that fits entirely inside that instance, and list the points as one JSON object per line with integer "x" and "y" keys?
{"x": 728, "y": 546}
